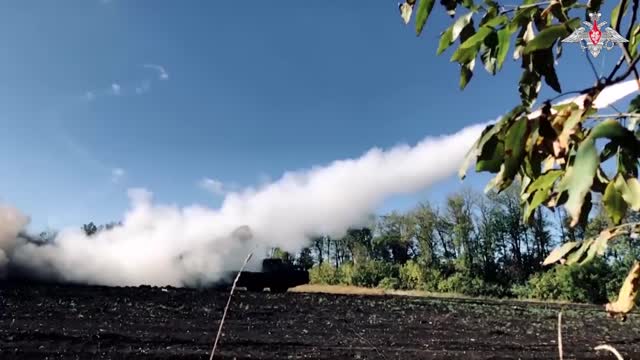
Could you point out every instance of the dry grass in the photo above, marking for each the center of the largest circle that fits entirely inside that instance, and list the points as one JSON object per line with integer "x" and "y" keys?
{"x": 357, "y": 290}
{"x": 226, "y": 308}
{"x": 338, "y": 289}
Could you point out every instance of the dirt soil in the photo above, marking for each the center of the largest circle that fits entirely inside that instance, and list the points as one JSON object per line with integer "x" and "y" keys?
{"x": 73, "y": 322}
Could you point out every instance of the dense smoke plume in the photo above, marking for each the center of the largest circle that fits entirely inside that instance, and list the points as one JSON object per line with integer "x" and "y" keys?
{"x": 167, "y": 245}
{"x": 12, "y": 222}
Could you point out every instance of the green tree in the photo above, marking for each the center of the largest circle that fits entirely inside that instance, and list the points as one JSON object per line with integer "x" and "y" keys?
{"x": 90, "y": 229}
{"x": 305, "y": 259}
{"x": 553, "y": 155}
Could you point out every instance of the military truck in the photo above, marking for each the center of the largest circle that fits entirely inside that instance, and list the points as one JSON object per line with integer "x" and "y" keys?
{"x": 275, "y": 275}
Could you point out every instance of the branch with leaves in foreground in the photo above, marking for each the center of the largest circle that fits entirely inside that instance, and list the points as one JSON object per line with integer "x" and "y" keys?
{"x": 555, "y": 155}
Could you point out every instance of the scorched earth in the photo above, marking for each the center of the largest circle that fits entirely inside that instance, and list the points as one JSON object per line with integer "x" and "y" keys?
{"x": 83, "y": 322}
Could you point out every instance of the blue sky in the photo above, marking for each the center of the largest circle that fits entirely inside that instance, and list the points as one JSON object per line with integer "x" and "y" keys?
{"x": 253, "y": 89}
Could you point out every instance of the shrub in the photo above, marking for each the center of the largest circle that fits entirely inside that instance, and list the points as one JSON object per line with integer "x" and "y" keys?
{"x": 412, "y": 276}
{"x": 346, "y": 272}
{"x": 324, "y": 274}
{"x": 432, "y": 277}
{"x": 570, "y": 283}
{"x": 369, "y": 273}
{"x": 389, "y": 283}
{"x": 464, "y": 282}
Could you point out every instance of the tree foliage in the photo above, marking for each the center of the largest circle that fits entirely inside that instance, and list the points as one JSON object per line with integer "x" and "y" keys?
{"x": 555, "y": 154}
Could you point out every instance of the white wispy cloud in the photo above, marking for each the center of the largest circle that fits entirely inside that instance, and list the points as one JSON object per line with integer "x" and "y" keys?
{"x": 129, "y": 88}
{"x": 162, "y": 72}
{"x": 213, "y": 186}
{"x": 144, "y": 87}
{"x": 117, "y": 174}
{"x": 115, "y": 89}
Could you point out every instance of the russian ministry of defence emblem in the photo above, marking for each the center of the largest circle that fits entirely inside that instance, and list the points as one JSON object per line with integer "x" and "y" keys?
{"x": 593, "y": 38}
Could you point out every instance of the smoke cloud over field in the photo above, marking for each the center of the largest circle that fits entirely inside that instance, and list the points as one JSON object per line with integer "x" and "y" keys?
{"x": 11, "y": 222}
{"x": 168, "y": 245}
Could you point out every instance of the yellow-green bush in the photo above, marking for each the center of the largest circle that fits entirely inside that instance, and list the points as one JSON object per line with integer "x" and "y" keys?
{"x": 570, "y": 283}
{"x": 325, "y": 274}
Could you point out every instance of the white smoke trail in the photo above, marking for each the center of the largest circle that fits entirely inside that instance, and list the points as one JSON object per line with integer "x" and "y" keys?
{"x": 12, "y": 222}
{"x": 168, "y": 245}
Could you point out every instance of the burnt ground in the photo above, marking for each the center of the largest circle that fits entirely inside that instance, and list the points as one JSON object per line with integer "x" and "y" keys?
{"x": 73, "y": 322}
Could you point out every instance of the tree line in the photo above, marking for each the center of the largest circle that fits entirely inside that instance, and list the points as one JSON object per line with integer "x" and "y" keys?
{"x": 471, "y": 244}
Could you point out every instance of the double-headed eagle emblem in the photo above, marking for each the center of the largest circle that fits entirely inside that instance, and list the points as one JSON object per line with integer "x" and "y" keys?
{"x": 594, "y": 39}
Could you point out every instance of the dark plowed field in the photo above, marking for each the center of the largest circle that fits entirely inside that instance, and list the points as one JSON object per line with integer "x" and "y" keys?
{"x": 65, "y": 322}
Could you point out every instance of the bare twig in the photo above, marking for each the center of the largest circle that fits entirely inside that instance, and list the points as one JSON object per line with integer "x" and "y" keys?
{"x": 615, "y": 109}
{"x": 366, "y": 341}
{"x": 620, "y": 114}
{"x": 560, "y": 334}
{"x": 616, "y": 68}
{"x": 518, "y": 7}
{"x": 632, "y": 63}
{"x": 611, "y": 349}
{"x": 593, "y": 67}
{"x": 630, "y": 69}
{"x": 226, "y": 308}
{"x": 623, "y": 6}
{"x": 575, "y": 92}
{"x": 633, "y": 19}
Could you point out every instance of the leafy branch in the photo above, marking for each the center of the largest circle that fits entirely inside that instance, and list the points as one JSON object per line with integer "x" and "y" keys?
{"x": 551, "y": 153}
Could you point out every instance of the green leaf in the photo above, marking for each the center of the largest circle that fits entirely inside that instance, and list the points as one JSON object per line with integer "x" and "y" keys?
{"x": 579, "y": 178}
{"x": 615, "y": 13}
{"x": 549, "y": 35}
{"x": 489, "y": 53}
{"x": 424, "y": 9}
{"x": 446, "y": 39}
{"x": 464, "y": 56}
{"x": 477, "y": 38}
{"x": 634, "y": 40}
{"x": 466, "y": 73}
{"x": 467, "y": 3}
{"x": 558, "y": 11}
{"x": 575, "y": 256}
{"x": 515, "y": 140}
{"x": 487, "y": 133}
{"x": 599, "y": 246}
{"x": 628, "y": 163}
{"x": 559, "y": 253}
{"x": 450, "y": 6}
{"x": 614, "y": 203}
{"x": 608, "y": 151}
{"x": 529, "y": 86}
{"x": 551, "y": 78}
{"x": 538, "y": 198}
{"x": 496, "y": 21}
{"x": 524, "y": 16}
{"x": 546, "y": 180}
{"x": 504, "y": 38}
{"x": 541, "y": 190}
{"x": 491, "y": 155}
{"x": 634, "y": 106}
{"x": 611, "y": 129}
{"x": 460, "y": 24}
{"x": 630, "y": 190}
{"x": 558, "y": 50}
{"x": 543, "y": 64}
